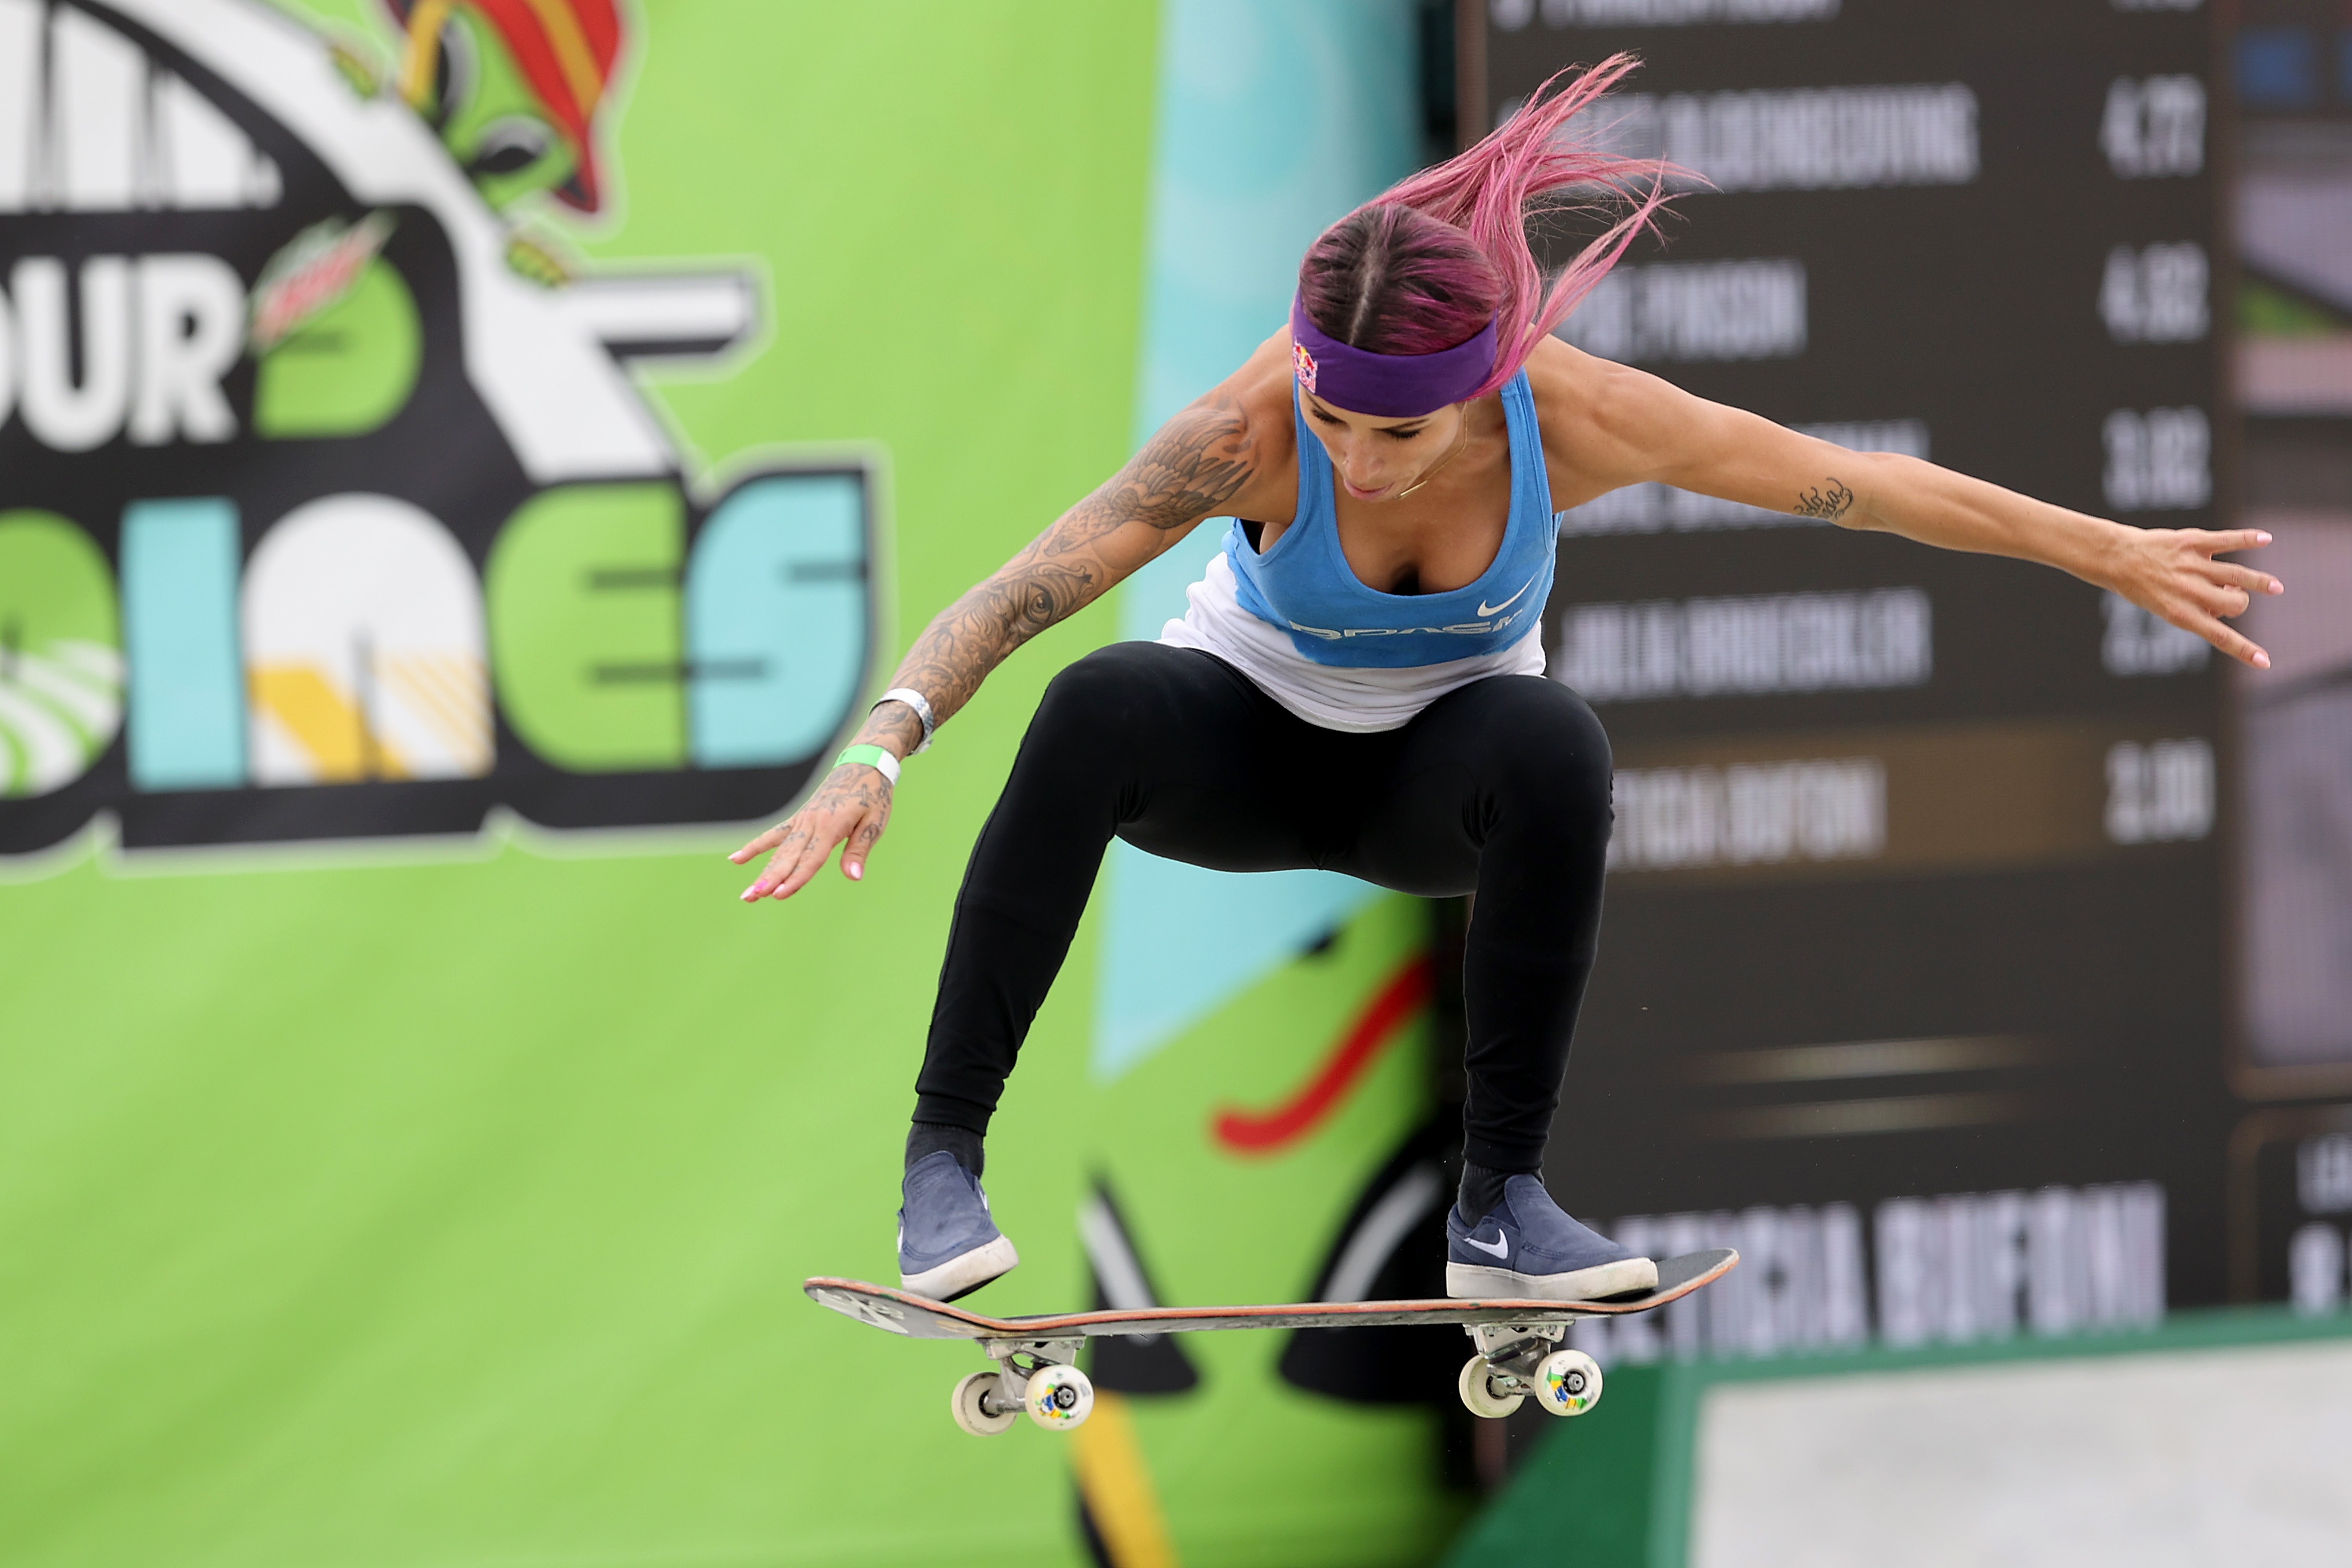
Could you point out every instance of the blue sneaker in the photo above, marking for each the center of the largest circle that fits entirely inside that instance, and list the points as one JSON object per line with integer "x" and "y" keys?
{"x": 1529, "y": 1247}
{"x": 947, "y": 1245}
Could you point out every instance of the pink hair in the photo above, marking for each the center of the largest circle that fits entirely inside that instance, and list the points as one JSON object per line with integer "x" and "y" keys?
{"x": 1431, "y": 260}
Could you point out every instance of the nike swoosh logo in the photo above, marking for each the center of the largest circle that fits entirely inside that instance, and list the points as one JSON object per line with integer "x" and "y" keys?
{"x": 1487, "y": 609}
{"x": 1501, "y": 1245}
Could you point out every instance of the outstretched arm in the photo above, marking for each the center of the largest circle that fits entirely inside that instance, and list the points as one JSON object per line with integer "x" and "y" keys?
{"x": 1649, "y": 429}
{"x": 1197, "y": 463}
{"x": 1193, "y": 465}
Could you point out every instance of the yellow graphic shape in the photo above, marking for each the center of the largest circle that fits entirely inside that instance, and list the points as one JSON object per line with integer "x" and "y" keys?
{"x": 1117, "y": 1485}
{"x": 423, "y": 50}
{"x": 572, "y": 56}
{"x": 450, "y": 694}
{"x": 325, "y": 724}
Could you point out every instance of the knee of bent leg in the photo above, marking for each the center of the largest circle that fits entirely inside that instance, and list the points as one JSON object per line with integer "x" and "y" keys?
{"x": 1094, "y": 699}
{"x": 1548, "y": 750}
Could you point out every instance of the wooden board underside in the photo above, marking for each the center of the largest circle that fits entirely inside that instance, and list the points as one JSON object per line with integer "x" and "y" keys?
{"x": 913, "y": 1316}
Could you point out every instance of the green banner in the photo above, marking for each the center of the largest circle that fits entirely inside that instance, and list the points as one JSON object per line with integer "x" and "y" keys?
{"x": 462, "y": 462}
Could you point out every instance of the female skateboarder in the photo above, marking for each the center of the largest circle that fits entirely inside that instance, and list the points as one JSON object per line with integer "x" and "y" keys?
{"x": 1357, "y": 684}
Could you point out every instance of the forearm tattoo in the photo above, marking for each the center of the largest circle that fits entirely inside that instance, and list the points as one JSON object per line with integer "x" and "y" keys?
{"x": 1197, "y": 462}
{"x": 890, "y": 722}
{"x": 1829, "y": 505}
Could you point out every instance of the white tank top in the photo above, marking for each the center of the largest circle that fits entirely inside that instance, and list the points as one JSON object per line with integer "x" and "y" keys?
{"x": 1359, "y": 700}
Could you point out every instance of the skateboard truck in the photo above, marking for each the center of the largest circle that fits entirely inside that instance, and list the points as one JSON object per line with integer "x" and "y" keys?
{"x": 1516, "y": 1362}
{"x": 1036, "y": 1375}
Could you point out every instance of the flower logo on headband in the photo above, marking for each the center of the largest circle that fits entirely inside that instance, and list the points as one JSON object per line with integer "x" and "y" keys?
{"x": 1303, "y": 364}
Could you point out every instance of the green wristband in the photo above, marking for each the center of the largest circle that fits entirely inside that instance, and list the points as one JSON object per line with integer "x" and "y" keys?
{"x": 874, "y": 757}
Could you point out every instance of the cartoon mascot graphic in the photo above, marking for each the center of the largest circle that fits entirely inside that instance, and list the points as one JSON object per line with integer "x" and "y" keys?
{"x": 332, "y": 504}
{"x": 512, "y": 87}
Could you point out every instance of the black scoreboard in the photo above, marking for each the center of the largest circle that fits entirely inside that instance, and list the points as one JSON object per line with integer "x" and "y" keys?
{"x": 1912, "y": 975}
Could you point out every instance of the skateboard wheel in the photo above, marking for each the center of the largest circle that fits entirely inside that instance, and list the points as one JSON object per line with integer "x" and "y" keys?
{"x": 982, "y": 1420}
{"x": 1060, "y": 1397}
{"x": 1568, "y": 1383}
{"x": 1478, "y": 1396}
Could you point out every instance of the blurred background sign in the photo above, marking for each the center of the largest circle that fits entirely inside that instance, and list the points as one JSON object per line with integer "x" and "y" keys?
{"x": 1978, "y": 944}
{"x": 2291, "y": 1040}
{"x": 1916, "y": 937}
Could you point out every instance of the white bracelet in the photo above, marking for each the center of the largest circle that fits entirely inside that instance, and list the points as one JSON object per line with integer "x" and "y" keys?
{"x": 919, "y": 703}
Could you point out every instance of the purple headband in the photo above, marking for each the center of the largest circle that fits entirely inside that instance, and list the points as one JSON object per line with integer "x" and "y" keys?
{"x": 1391, "y": 386}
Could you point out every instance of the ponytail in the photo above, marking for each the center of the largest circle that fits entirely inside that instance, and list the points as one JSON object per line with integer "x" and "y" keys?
{"x": 1427, "y": 263}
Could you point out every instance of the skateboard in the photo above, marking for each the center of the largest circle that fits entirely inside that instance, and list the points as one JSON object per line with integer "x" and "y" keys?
{"x": 1519, "y": 1352}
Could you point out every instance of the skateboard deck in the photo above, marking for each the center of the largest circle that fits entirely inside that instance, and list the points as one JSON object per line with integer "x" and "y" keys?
{"x": 919, "y": 1318}
{"x": 1518, "y": 1345}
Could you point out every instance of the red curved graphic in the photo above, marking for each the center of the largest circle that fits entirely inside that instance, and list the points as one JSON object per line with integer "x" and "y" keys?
{"x": 1251, "y": 1132}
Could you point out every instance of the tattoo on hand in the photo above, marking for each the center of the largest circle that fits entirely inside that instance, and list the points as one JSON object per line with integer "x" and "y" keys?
{"x": 851, "y": 786}
{"x": 1828, "y": 505}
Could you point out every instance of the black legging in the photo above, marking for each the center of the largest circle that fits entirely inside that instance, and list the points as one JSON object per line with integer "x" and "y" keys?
{"x": 1500, "y": 788}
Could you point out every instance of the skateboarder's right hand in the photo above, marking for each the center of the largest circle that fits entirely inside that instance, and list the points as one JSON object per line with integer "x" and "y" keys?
{"x": 853, "y": 805}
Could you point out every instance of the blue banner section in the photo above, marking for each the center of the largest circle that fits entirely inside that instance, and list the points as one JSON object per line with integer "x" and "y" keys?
{"x": 776, "y": 622}
{"x": 180, "y": 567}
{"x": 1273, "y": 121}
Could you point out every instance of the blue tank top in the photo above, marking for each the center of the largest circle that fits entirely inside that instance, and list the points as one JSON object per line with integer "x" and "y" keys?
{"x": 1304, "y": 585}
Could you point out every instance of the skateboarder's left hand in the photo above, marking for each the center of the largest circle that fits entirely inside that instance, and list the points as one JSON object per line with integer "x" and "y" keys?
{"x": 853, "y": 805}
{"x": 2174, "y": 574}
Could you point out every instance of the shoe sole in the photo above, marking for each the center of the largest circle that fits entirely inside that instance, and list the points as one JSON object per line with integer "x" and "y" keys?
{"x": 964, "y": 1273}
{"x": 1626, "y": 1277}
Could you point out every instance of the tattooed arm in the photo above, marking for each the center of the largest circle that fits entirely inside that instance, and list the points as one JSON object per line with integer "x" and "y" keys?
{"x": 1195, "y": 465}
{"x": 1201, "y": 462}
{"x": 1619, "y": 427}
